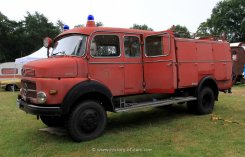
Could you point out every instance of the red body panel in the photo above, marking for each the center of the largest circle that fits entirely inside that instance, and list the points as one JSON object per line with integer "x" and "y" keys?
{"x": 109, "y": 72}
{"x": 160, "y": 71}
{"x": 197, "y": 59}
{"x": 133, "y": 72}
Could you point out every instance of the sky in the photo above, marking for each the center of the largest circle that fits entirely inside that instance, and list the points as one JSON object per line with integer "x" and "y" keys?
{"x": 157, "y": 14}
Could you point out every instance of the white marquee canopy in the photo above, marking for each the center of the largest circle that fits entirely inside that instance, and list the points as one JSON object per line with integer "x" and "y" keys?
{"x": 39, "y": 54}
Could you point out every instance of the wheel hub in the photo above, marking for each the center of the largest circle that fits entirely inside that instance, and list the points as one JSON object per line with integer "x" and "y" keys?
{"x": 206, "y": 101}
{"x": 89, "y": 121}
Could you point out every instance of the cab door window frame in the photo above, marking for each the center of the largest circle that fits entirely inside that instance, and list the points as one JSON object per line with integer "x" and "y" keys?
{"x": 163, "y": 48}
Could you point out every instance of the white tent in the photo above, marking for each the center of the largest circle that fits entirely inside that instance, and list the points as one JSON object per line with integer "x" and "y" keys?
{"x": 239, "y": 44}
{"x": 40, "y": 54}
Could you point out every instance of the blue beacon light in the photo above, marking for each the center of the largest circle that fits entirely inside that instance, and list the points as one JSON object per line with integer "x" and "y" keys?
{"x": 90, "y": 18}
{"x": 90, "y": 22}
{"x": 66, "y": 27}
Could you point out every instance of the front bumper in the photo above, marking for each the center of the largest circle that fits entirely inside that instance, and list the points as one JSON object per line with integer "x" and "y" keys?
{"x": 38, "y": 110}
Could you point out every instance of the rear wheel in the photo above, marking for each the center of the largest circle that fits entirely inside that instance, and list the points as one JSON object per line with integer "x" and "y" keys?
{"x": 53, "y": 121}
{"x": 204, "y": 103}
{"x": 87, "y": 121}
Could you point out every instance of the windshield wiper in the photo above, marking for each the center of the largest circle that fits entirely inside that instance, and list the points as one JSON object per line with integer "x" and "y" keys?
{"x": 61, "y": 52}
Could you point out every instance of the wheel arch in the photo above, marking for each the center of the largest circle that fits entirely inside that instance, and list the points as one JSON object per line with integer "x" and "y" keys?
{"x": 88, "y": 90}
{"x": 208, "y": 82}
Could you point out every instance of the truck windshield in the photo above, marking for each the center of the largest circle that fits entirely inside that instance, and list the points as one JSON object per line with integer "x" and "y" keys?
{"x": 74, "y": 45}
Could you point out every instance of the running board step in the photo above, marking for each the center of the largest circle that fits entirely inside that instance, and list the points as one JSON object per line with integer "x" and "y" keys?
{"x": 156, "y": 103}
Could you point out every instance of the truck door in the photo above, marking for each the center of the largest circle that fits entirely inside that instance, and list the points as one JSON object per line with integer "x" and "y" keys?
{"x": 133, "y": 64}
{"x": 106, "y": 62}
{"x": 159, "y": 68}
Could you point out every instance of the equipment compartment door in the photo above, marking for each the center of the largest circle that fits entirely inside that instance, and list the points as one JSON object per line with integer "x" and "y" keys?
{"x": 159, "y": 68}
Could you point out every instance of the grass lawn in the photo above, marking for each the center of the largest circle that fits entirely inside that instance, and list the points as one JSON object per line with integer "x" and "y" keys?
{"x": 151, "y": 132}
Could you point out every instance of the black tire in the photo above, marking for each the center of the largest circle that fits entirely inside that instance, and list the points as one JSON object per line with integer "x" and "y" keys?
{"x": 204, "y": 103}
{"x": 11, "y": 87}
{"x": 87, "y": 121}
{"x": 53, "y": 121}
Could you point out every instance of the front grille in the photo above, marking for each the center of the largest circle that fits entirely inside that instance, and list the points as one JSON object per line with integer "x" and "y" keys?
{"x": 27, "y": 72}
{"x": 29, "y": 89}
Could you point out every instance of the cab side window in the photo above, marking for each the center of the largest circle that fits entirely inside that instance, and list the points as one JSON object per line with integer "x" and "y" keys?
{"x": 105, "y": 46}
{"x": 131, "y": 46}
{"x": 9, "y": 71}
{"x": 153, "y": 46}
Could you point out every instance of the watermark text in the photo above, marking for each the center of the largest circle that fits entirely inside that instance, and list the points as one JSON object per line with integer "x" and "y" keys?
{"x": 129, "y": 149}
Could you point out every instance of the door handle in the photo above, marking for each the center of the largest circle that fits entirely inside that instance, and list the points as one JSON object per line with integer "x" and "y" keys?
{"x": 121, "y": 66}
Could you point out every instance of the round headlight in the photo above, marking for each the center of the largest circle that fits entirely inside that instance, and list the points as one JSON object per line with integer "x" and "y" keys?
{"x": 41, "y": 97}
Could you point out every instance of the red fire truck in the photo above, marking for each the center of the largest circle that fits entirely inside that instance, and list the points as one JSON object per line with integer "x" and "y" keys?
{"x": 92, "y": 70}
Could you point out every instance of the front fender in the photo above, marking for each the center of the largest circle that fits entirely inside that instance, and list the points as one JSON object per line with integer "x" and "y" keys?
{"x": 84, "y": 88}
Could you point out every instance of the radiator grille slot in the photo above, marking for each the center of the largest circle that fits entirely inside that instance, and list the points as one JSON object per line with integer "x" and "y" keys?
{"x": 29, "y": 89}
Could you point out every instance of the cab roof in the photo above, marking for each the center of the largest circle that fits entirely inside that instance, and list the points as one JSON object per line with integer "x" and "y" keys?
{"x": 89, "y": 30}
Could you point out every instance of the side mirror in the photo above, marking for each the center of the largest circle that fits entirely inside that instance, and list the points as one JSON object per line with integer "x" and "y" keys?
{"x": 47, "y": 42}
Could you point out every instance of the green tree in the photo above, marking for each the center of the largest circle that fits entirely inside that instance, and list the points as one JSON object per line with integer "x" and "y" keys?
{"x": 9, "y": 38}
{"x": 98, "y": 24}
{"x": 141, "y": 27}
{"x": 227, "y": 19}
{"x": 203, "y": 30}
{"x": 60, "y": 25}
{"x": 181, "y": 31}
{"x": 23, "y": 37}
{"x": 4, "y": 29}
{"x": 79, "y": 25}
{"x": 36, "y": 28}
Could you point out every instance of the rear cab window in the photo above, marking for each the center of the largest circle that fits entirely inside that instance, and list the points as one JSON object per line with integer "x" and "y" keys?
{"x": 132, "y": 47}
{"x": 153, "y": 46}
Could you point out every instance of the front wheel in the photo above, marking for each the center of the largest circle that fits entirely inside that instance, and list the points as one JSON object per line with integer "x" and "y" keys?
{"x": 87, "y": 121}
